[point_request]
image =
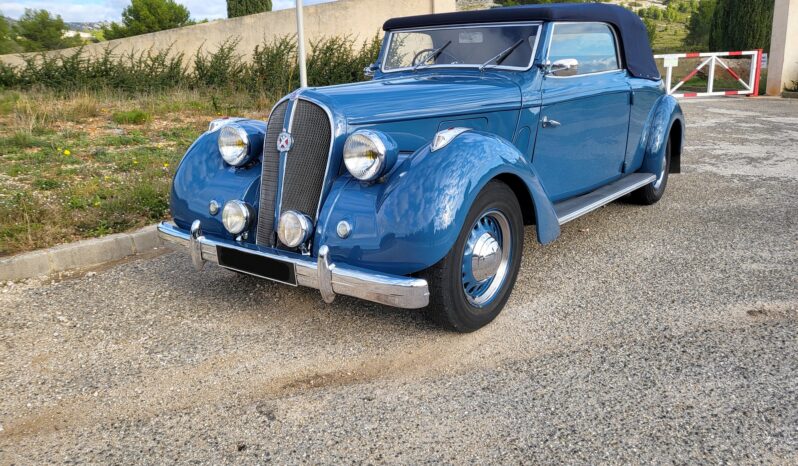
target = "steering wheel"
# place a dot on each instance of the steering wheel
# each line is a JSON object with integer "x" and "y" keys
{"x": 427, "y": 51}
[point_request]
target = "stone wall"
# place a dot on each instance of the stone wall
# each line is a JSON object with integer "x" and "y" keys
{"x": 357, "y": 18}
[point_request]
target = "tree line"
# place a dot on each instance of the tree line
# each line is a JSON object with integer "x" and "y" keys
{"x": 39, "y": 30}
{"x": 711, "y": 24}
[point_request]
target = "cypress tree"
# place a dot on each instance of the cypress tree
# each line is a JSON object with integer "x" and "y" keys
{"x": 237, "y": 8}
{"x": 741, "y": 25}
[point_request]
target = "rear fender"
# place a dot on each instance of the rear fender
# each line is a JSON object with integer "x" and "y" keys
{"x": 665, "y": 115}
{"x": 411, "y": 220}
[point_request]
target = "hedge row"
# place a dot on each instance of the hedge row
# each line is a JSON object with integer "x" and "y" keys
{"x": 271, "y": 69}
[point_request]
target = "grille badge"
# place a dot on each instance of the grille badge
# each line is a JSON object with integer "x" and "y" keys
{"x": 284, "y": 142}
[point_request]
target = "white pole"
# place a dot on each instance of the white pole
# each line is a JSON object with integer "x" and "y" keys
{"x": 300, "y": 37}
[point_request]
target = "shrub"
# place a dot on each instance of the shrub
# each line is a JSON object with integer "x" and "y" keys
{"x": 334, "y": 60}
{"x": 220, "y": 69}
{"x": 272, "y": 69}
{"x": 131, "y": 117}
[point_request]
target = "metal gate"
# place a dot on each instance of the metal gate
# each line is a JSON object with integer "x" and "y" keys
{"x": 708, "y": 62}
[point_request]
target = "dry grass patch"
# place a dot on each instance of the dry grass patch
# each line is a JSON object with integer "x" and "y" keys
{"x": 90, "y": 164}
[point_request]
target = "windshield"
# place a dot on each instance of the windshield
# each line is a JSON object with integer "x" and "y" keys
{"x": 462, "y": 46}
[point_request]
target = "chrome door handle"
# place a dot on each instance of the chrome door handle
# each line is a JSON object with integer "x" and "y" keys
{"x": 550, "y": 123}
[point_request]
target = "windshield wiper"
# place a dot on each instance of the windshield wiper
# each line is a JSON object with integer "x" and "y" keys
{"x": 434, "y": 55}
{"x": 502, "y": 55}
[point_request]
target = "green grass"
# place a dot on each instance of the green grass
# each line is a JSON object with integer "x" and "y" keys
{"x": 670, "y": 38}
{"x": 131, "y": 117}
{"x": 91, "y": 164}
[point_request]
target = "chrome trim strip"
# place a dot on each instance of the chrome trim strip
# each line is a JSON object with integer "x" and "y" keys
{"x": 325, "y": 275}
{"x": 539, "y": 24}
{"x": 391, "y": 290}
{"x": 576, "y": 207}
{"x": 195, "y": 245}
{"x": 289, "y": 118}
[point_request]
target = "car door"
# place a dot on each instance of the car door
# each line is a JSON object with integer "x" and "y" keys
{"x": 584, "y": 117}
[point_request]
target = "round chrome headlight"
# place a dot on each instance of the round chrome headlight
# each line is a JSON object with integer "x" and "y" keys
{"x": 234, "y": 145}
{"x": 236, "y": 216}
{"x": 294, "y": 229}
{"x": 369, "y": 154}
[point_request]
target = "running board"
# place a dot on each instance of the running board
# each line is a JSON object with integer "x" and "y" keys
{"x": 576, "y": 207}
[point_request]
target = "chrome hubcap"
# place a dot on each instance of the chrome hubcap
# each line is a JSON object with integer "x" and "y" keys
{"x": 486, "y": 258}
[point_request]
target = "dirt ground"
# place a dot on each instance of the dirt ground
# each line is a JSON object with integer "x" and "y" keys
{"x": 644, "y": 334}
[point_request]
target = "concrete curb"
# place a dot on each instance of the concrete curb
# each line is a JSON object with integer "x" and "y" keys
{"x": 85, "y": 253}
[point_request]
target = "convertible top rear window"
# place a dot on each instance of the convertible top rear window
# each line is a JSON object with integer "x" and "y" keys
{"x": 505, "y": 46}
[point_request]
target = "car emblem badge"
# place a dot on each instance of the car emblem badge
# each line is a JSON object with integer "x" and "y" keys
{"x": 284, "y": 142}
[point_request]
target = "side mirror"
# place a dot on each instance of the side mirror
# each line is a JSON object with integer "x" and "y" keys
{"x": 370, "y": 70}
{"x": 563, "y": 67}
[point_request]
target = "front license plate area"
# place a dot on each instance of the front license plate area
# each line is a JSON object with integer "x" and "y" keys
{"x": 259, "y": 266}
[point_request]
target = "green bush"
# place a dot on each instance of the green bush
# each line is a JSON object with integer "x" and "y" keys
{"x": 131, "y": 117}
{"x": 220, "y": 69}
{"x": 273, "y": 69}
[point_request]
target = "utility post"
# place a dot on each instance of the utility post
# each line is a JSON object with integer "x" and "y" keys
{"x": 300, "y": 37}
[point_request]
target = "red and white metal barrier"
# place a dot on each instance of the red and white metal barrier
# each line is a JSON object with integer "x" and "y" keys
{"x": 710, "y": 62}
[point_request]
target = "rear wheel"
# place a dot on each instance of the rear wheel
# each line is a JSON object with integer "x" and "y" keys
{"x": 651, "y": 193}
{"x": 470, "y": 286}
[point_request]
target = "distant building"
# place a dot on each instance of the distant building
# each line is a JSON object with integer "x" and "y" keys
{"x": 82, "y": 35}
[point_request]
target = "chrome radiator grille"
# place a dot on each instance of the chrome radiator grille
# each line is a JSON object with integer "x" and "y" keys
{"x": 304, "y": 170}
{"x": 268, "y": 180}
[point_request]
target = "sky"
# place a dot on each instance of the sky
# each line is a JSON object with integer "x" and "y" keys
{"x": 111, "y": 10}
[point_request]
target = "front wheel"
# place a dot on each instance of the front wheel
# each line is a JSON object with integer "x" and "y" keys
{"x": 470, "y": 286}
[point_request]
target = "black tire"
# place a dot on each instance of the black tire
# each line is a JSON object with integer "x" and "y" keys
{"x": 449, "y": 305}
{"x": 652, "y": 193}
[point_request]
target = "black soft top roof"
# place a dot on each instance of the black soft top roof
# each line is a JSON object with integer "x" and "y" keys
{"x": 632, "y": 32}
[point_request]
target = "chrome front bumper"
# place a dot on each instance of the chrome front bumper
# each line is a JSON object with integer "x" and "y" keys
{"x": 329, "y": 278}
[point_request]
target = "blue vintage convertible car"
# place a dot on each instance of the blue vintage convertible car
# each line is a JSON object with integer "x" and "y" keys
{"x": 413, "y": 189}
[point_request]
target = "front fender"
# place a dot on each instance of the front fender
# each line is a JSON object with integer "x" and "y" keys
{"x": 412, "y": 220}
{"x": 203, "y": 176}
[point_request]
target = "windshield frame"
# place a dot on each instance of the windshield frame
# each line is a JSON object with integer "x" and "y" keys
{"x": 534, "y": 53}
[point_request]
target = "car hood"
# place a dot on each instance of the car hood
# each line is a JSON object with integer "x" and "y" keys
{"x": 418, "y": 96}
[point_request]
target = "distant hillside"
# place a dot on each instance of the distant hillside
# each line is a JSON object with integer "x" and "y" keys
{"x": 87, "y": 26}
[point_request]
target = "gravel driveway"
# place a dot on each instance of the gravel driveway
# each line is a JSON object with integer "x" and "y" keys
{"x": 644, "y": 334}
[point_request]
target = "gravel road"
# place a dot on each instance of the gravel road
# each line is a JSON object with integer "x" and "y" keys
{"x": 644, "y": 334}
